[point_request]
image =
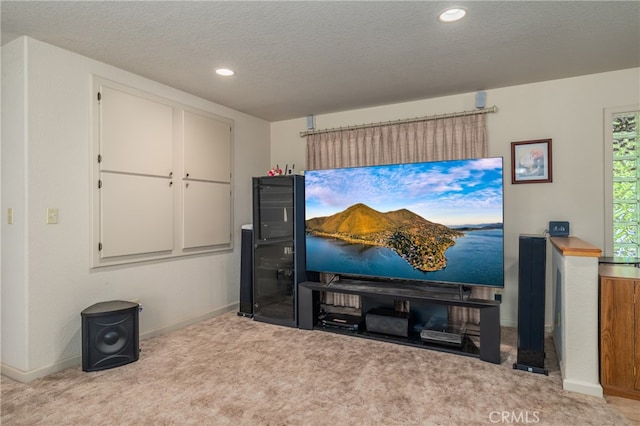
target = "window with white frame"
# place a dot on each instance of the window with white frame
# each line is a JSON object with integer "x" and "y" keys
{"x": 622, "y": 173}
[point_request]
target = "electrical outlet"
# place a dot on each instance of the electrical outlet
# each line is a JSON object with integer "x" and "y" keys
{"x": 559, "y": 229}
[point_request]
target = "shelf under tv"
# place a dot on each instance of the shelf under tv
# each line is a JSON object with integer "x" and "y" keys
{"x": 450, "y": 295}
{"x": 489, "y": 332}
{"x": 468, "y": 347}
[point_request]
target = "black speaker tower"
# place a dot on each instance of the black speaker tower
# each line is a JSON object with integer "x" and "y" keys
{"x": 246, "y": 272}
{"x": 531, "y": 289}
{"x": 110, "y": 336}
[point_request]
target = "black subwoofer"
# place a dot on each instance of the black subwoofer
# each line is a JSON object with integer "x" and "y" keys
{"x": 110, "y": 336}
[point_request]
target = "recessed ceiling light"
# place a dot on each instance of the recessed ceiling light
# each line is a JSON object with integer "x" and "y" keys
{"x": 452, "y": 14}
{"x": 225, "y": 72}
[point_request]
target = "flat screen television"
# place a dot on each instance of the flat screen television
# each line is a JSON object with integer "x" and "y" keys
{"x": 435, "y": 222}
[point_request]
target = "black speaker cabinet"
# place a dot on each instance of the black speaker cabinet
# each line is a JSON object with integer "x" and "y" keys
{"x": 386, "y": 321}
{"x": 110, "y": 336}
{"x": 531, "y": 289}
{"x": 246, "y": 273}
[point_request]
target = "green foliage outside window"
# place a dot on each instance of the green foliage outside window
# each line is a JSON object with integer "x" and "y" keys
{"x": 626, "y": 180}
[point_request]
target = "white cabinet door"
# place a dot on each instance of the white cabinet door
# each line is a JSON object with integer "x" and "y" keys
{"x": 207, "y": 213}
{"x": 207, "y": 148}
{"x": 141, "y": 143}
{"x": 136, "y": 214}
{"x": 136, "y": 134}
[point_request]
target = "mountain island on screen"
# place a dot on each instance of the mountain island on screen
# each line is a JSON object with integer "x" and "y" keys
{"x": 436, "y": 221}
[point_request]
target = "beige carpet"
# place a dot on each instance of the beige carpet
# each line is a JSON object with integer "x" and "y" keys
{"x": 231, "y": 370}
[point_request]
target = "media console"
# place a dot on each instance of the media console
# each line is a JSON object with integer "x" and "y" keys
{"x": 421, "y": 300}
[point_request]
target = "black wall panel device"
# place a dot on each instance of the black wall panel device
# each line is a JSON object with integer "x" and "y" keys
{"x": 246, "y": 272}
{"x": 559, "y": 229}
{"x": 531, "y": 293}
{"x": 110, "y": 336}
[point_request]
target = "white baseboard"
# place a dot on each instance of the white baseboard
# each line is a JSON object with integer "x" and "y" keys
{"x": 27, "y": 376}
{"x": 592, "y": 389}
{"x": 514, "y": 324}
{"x": 190, "y": 321}
{"x": 508, "y": 323}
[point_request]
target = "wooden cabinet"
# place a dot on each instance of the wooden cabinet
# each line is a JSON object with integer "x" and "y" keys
{"x": 620, "y": 330}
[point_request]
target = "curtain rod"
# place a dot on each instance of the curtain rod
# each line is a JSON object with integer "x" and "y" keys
{"x": 402, "y": 121}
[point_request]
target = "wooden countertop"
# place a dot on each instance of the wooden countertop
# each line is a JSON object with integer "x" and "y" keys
{"x": 619, "y": 271}
{"x": 573, "y": 246}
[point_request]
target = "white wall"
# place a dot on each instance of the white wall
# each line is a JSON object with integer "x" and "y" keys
{"x": 569, "y": 111}
{"x": 14, "y": 259}
{"x": 46, "y": 280}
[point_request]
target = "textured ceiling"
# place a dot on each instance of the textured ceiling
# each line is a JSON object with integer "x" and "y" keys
{"x": 299, "y": 58}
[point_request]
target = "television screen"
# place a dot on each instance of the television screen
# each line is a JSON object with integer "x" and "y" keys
{"x": 439, "y": 222}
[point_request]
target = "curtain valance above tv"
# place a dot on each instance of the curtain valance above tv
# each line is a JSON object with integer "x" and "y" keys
{"x": 402, "y": 121}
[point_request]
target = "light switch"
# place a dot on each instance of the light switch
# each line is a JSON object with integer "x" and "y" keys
{"x": 52, "y": 216}
{"x": 10, "y": 215}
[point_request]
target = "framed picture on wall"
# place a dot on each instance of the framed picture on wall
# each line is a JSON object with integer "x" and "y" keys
{"x": 531, "y": 161}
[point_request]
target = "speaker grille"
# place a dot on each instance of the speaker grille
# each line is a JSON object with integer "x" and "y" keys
{"x": 111, "y": 340}
{"x": 109, "y": 335}
{"x": 531, "y": 296}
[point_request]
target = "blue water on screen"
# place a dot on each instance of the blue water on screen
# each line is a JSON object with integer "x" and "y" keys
{"x": 476, "y": 258}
